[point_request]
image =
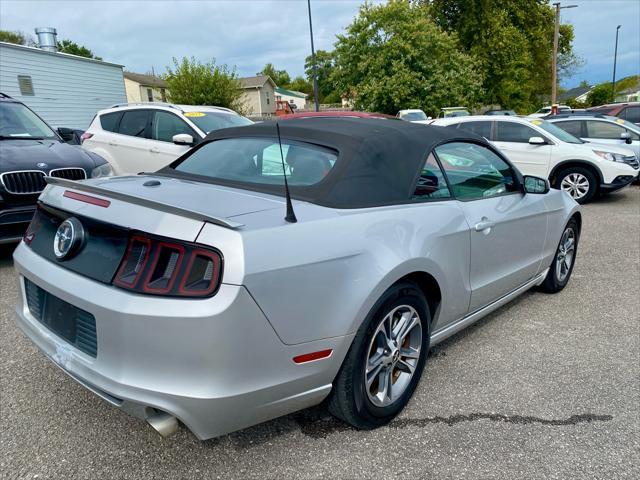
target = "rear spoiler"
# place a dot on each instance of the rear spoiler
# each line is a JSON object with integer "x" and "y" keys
{"x": 143, "y": 202}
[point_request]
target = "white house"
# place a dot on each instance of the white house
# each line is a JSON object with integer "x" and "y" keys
{"x": 144, "y": 88}
{"x": 65, "y": 90}
{"x": 299, "y": 99}
{"x": 258, "y": 96}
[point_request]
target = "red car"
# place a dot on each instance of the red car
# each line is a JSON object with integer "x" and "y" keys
{"x": 630, "y": 111}
{"x": 337, "y": 114}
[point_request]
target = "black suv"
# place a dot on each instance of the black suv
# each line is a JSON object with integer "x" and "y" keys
{"x": 29, "y": 151}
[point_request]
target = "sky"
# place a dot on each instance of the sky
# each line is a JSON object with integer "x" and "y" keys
{"x": 249, "y": 33}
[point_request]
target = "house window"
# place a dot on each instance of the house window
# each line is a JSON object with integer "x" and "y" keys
{"x": 267, "y": 95}
{"x": 26, "y": 85}
{"x": 150, "y": 94}
{"x": 163, "y": 94}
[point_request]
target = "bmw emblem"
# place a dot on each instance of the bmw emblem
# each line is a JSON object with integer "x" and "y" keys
{"x": 68, "y": 239}
{"x": 41, "y": 165}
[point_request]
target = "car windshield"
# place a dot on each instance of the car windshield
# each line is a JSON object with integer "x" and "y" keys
{"x": 456, "y": 113}
{"x": 18, "y": 122}
{"x": 631, "y": 126}
{"x": 210, "y": 121}
{"x": 413, "y": 116}
{"x": 258, "y": 161}
{"x": 557, "y": 132}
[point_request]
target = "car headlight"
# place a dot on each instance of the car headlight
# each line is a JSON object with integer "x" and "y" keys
{"x": 612, "y": 157}
{"x": 103, "y": 170}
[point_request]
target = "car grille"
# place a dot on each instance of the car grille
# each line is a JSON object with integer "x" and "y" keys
{"x": 631, "y": 160}
{"x": 71, "y": 323}
{"x": 69, "y": 173}
{"x": 24, "y": 182}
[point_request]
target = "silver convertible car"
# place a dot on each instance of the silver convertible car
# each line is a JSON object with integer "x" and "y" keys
{"x": 215, "y": 293}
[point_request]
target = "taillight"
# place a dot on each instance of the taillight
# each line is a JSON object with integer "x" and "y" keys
{"x": 85, "y": 136}
{"x": 161, "y": 267}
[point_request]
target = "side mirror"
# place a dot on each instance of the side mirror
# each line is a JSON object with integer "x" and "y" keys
{"x": 536, "y": 185}
{"x": 182, "y": 139}
{"x": 70, "y": 135}
{"x": 626, "y": 136}
{"x": 537, "y": 141}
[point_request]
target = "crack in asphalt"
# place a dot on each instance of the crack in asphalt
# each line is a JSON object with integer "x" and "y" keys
{"x": 323, "y": 427}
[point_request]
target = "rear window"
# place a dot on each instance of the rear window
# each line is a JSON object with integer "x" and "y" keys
{"x": 258, "y": 161}
{"x": 109, "y": 121}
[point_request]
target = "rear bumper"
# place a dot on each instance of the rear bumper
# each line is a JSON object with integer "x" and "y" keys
{"x": 215, "y": 364}
{"x": 14, "y": 222}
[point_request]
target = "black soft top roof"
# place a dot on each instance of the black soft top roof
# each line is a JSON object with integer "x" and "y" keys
{"x": 379, "y": 160}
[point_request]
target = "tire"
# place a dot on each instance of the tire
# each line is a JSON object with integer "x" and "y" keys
{"x": 579, "y": 182}
{"x": 354, "y": 402}
{"x": 559, "y": 272}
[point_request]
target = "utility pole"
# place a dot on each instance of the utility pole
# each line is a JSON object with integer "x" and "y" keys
{"x": 615, "y": 57}
{"x": 554, "y": 59}
{"x": 313, "y": 59}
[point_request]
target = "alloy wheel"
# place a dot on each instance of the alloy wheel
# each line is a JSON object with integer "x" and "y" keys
{"x": 565, "y": 255}
{"x": 393, "y": 355}
{"x": 576, "y": 185}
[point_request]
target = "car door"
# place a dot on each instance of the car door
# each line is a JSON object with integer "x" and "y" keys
{"x": 512, "y": 139}
{"x": 605, "y": 132}
{"x": 507, "y": 227}
{"x": 132, "y": 147}
{"x": 164, "y": 125}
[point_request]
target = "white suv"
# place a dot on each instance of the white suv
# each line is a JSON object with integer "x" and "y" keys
{"x": 145, "y": 137}
{"x": 542, "y": 149}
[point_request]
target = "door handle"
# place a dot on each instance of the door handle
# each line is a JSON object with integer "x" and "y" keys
{"x": 154, "y": 150}
{"x": 484, "y": 225}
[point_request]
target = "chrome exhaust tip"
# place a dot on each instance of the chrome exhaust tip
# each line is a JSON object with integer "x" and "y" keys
{"x": 162, "y": 422}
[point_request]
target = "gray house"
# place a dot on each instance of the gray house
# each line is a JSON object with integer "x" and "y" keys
{"x": 65, "y": 90}
{"x": 258, "y": 96}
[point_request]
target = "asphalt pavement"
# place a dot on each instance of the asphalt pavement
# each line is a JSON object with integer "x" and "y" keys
{"x": 546, "y": 387}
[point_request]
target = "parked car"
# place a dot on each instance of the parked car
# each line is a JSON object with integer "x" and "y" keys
{"x": 501, "y": 112}
{"x": 29, "y": 151}
{"x": 336, "y": 114}
{"x": 629, "y": 111}
{"x": 540, "y": 148}
{"x": 447, "y": 112}
{"x": 603, "y": 129}
{"x": 414, "y": 115}
{"x": 144, "y": 137}
{"x": 227, "y": 313}
{"x": 544, "y": 111}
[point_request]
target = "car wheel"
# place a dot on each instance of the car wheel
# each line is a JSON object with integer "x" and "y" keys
{"x": 578, "y": 182}
{"x": 385, "y": 361}
{"x": 564, "y": 259}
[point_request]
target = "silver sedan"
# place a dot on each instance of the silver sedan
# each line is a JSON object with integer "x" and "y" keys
{"x": 273, "y": 266}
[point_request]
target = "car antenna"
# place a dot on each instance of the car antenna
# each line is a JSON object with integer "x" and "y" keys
{"x": 290, "y": 216}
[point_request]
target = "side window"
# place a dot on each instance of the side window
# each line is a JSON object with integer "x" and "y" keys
{"x": 632, "y": 114}
{"x": 605, "y": 130}
{"x": 574, "y": 127}
{"x": 134, "y": 123}
{"x": 431, "y": 183}
{"x": 165, "y": 125}
{"x": 479, "y": 128}
{"x": 109, "y": 121}
{"x": 514, "y": 132}
{"x": 474, "y": 171}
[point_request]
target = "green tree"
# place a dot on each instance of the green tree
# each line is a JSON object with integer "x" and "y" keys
{"x": 325, "y": 67}
{"x": 18, "y": 38}
{"x": 280, "y": 77}
{"x": 394, "y": 56}
{"x": 600, "y": 94}
{"x": 513, "y": 41}
{"x": 68, "y": 46}
{"x": 300, "y": 84}
{"x": 193, "y": 83}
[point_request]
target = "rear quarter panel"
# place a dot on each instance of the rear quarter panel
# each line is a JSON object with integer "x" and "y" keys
{"x": 320, "y": 277}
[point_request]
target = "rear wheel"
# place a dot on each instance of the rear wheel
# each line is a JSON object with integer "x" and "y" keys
{"x": 562, "y": 265}
{"x": 578, "y": 182}
{"x": 385, "y": 361}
